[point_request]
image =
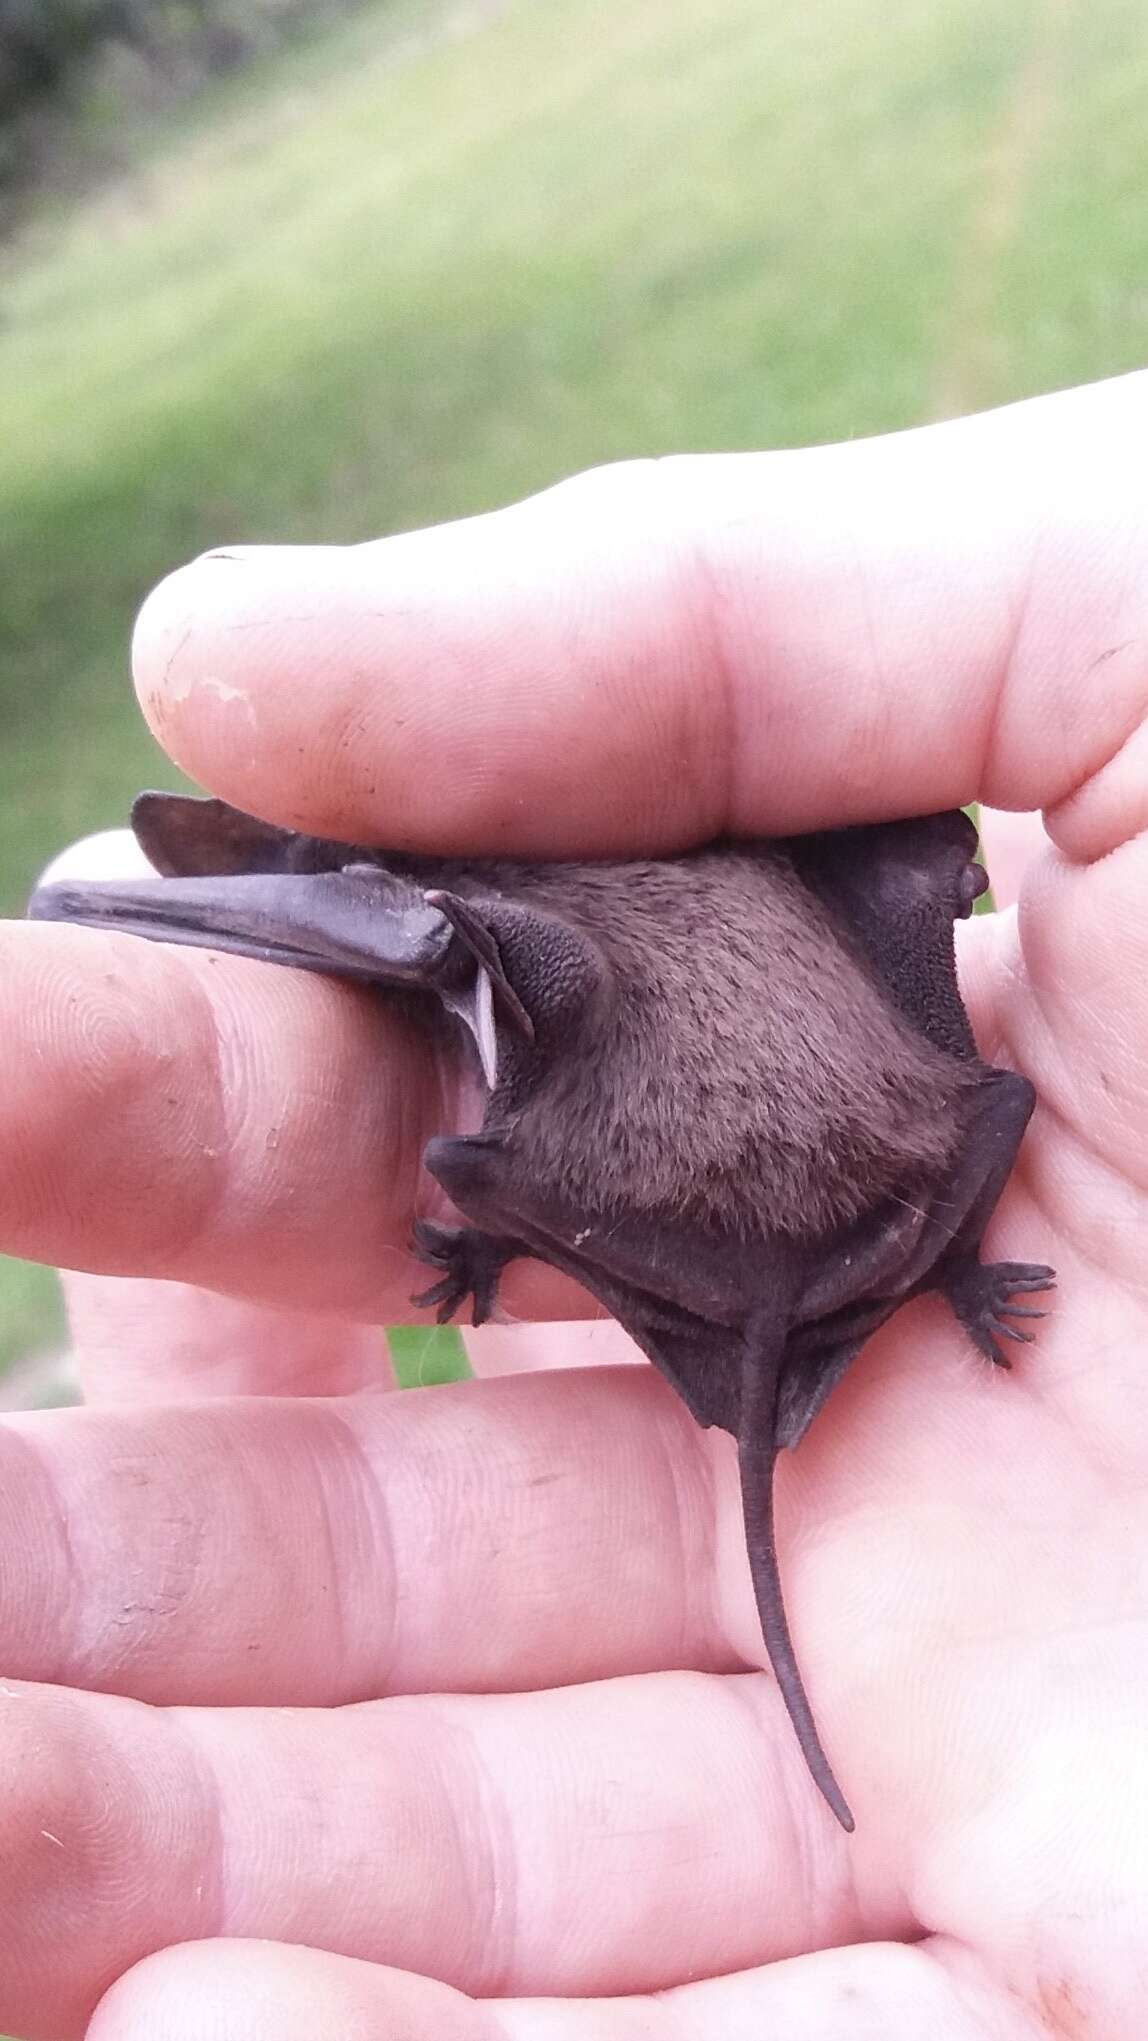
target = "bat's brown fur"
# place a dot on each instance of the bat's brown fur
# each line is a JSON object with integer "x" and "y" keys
{"x": 735, "y": 1060}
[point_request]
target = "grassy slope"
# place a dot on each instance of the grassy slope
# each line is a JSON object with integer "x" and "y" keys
{"x": 409, "y": 274}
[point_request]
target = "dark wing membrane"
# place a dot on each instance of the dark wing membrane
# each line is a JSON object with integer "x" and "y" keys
{"x": 361, "y": 923}
{"x": 186, "y": 837}
{"x": 896, "y": 889}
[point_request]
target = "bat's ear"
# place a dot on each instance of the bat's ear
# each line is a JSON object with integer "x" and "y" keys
{"x": 543, "y": 973}
{"x": 476, "y": 936}
{"x": 187, "y": 838}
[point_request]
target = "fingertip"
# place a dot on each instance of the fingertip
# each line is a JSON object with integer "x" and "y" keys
{"x": 165, "y": 614}
{"x": 109, "y": 854}
{"x": 1012, "y": 842}
{"x": 416, "y": 690}
{"x": 162, "y": 630}
{"x": 243, "y": 1990}
{"x": 204, "y": 632}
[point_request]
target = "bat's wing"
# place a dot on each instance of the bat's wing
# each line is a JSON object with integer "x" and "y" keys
{"x": 185, "y": 836}
{"x": 358, "y": 923}
{"x": 897, "y": 888}
{"x": 816, "y": 1357}
{"x": 902, "y": 1248}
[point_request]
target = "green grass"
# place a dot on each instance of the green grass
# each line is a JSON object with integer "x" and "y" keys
{"x": 424, "y": 1355}
{"x": 31, "y": 1314}
{"x": 404, "y": 274}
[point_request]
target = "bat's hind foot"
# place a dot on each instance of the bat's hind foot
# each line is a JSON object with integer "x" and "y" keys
{"x": 471, "y": 1263}
{"x": 983, "y": 1296}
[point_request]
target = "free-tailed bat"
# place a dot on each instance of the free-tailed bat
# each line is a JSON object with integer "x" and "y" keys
{"x": 733, "y": 1092}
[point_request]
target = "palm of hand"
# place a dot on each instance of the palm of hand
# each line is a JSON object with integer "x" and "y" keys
{"x": 996, "y": 1528}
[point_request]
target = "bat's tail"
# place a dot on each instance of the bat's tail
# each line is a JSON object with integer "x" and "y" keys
{"x": 757, "y": 1456}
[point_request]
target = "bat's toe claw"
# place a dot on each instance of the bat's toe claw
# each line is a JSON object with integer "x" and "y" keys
{"x": 433, "y": 1243}
{"x": 471, "y": 1263}
{"x": 984, "y": 1338}
{"x": 982, "y": 1296}
{"x": 1022, "y": 1276}
{"x": 437, "y": 1294}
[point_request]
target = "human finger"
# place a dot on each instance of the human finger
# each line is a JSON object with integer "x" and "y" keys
{"x": 244, "y": 1991}
{"x": 167, "y": 1112}
{"x": 252, "y": 1990}
{"x": 1071, "y": 1009}
{"x": 506, "y": 1349}
{"x": 509, "y": 1534}
{"x": 986, "y": 945}
{"x": 155, "y": 1341}
{"x": 1010, "y": 844}
{"x": 661, "y": 651}
{"x": 146, "y": 1341}
{"x": 549, "y": 1842}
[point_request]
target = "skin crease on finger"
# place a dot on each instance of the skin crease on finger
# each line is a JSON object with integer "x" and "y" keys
{"x": 1059, "y": 734}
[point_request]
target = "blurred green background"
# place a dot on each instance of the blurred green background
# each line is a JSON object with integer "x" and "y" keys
{"x": 435, "y": 256}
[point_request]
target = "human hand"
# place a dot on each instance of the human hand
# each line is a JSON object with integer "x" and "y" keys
{"x": 572, "y": 1792}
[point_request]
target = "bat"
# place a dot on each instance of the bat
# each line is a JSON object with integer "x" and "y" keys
{"x": 733, "y": 1092}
